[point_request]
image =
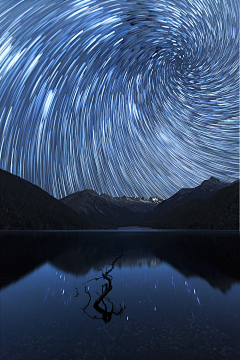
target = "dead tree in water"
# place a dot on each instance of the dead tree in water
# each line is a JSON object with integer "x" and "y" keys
{"x": 106, "y": 288}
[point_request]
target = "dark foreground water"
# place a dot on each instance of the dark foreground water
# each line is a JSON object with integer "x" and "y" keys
{"x": 173, "y": 295}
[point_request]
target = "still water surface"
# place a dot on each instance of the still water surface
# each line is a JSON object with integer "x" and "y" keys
{"x": 169, "y": 298}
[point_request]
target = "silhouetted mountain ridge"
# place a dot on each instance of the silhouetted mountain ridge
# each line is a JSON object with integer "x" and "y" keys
{"x": 107, "y": 211}
{"x": 206, "y": 189}
{"x": 25, "y": 206}
{"x": 211, "y": 205}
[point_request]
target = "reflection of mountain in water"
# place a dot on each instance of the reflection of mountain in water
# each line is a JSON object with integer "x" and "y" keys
{"x": 214, "y": 256}
{"x": 215, "y": 260}
{"x": 81, "y": 260}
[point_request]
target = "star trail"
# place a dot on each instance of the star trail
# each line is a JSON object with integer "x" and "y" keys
{"x": 122, "y": 97}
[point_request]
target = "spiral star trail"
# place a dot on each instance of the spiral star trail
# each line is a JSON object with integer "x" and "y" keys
{"x": 122, "y": 97}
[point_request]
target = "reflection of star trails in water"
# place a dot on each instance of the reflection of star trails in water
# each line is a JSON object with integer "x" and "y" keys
{"x": 192, "y": 292}
{"x": 122, "y": 97}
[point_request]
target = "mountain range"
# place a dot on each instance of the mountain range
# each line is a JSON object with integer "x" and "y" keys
{"x": 24, "y": 206}
{"x": 106, "y": 211}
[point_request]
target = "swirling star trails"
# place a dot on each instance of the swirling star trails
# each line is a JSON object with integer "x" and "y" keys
{"x": 122, "y": 97}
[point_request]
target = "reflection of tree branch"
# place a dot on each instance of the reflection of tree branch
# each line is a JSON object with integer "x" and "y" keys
{"x": 77, "y": 293}
{"x": 106, "y": 288}
{"x": 105, "y": 275}
{"x": 87, "y": 292}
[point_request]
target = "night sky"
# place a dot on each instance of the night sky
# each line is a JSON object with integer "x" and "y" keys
{"x": 122, "y": 97}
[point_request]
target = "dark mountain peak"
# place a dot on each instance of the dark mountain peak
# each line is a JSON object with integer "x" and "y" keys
{"x": 211, "y": 185}
{"x": 212, "y": 180}
{"x": 202, "y": 192}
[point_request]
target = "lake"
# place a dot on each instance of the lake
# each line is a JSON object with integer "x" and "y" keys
{"x": 158, "y": 295}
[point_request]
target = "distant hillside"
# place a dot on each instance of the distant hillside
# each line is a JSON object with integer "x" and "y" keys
{"x": 25, "y": 206}
{"x": 203, "y": 191}
{"x": 220, "y": 211}
{"x": 107, "y": 211}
